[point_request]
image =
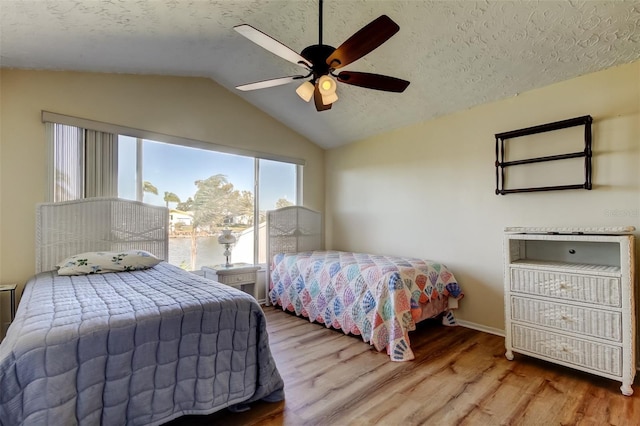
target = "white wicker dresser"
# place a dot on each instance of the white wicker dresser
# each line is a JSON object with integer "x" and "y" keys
{"x": 569, "y": 298}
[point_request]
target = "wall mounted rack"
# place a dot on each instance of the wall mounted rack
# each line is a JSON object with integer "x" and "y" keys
{"x": 501, "y": 164}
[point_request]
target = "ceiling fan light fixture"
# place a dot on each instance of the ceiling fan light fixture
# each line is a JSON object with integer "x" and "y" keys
{"x": 329, "y": 99}
{"x": 327, "y": 86}
{"x": 305, "y": 91}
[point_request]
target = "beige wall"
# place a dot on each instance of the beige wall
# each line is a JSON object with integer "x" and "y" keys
{"x": 195, "y": 108}
{"x": 428, "y": 190}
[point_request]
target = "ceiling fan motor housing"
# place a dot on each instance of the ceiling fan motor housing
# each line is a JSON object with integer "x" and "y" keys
{"x": 317, "y": 55}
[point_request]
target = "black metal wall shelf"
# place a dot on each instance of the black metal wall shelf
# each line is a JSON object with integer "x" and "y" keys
{"x": 501, "y": 164}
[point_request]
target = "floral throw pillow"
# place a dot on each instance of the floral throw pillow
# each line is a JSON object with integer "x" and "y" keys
{"x": 100, "y": 262}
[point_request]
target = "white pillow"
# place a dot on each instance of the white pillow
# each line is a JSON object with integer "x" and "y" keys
{"x": 101, "y": 262}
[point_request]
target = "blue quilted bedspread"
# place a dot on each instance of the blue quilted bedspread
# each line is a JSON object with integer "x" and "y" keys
{"x": 135, "y": 348}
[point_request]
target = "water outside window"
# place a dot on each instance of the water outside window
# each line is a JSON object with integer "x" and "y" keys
{"x": 205, "y": 191}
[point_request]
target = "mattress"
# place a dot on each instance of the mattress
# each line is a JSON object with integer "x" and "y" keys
{"x": 136, "y": 348}
{"x": 377, "y": 297}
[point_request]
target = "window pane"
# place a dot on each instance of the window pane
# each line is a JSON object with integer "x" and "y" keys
{"x": 206, "y": 191}
{"x": 277, "y": 183}
{"x": 127, "y": 167}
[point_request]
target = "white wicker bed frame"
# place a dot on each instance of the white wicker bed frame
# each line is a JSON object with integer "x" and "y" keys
{"x": 98, "y": 224}
{"x": 290, "y": 230}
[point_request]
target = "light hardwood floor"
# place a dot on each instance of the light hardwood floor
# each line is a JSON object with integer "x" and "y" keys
{"x": 459, "y": 377}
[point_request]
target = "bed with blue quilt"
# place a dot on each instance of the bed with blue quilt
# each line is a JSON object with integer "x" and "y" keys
{"x": 134, "y": 344}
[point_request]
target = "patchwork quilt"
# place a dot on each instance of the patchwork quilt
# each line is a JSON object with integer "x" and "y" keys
{"x": 135, "y": 348}
{"x": 377, "y": 297}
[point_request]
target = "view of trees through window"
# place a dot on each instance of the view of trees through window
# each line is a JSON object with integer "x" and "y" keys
{"x": 206, "y": 191}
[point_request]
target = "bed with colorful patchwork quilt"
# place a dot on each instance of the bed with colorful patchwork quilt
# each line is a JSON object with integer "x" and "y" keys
{"x": 377, "y": 297}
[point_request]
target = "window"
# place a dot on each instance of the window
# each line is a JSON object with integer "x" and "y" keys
{"x": 206, "y": 190}
{"x": 277, "y": 189}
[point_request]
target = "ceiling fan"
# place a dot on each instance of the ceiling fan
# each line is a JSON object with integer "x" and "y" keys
{"x": 321, "y": 60}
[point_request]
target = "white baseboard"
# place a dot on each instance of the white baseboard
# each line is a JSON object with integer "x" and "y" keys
{"x": 480, "y": 327}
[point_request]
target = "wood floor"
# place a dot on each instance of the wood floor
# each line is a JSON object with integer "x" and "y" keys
{"x": 459, "y": 377}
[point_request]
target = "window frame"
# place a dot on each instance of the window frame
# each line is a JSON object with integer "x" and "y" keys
{"x": 140, "y": 135}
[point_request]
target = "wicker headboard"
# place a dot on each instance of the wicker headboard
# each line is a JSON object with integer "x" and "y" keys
{"x": 290, "y": 230}
{"x": 98, "y": 224}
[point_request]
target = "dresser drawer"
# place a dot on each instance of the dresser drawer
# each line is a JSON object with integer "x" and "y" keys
{"x": 600, "y": 290}
{"x": 563, "y": 317}
{"x": 583, "y": 353}
{"x": 237, "y": 279}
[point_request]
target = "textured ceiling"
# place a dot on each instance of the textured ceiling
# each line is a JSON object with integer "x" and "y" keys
{"x": 456, "y": 54}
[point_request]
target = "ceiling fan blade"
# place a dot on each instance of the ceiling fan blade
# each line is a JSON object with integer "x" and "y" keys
{"x": 268, "y": 83}
{"x": 272, "y": 45}
{"x": 364, "y": 41}
{"x": 373, "y": 81}
{"x": 317, "y": 99}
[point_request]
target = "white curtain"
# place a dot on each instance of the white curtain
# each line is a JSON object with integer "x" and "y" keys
{"x": 84, "y": 163}
{"x": 66, "y": 172}
{"x": 101, "y": 173}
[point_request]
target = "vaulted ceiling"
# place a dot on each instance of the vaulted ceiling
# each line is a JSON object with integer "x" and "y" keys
{"x": 456, "y": 54}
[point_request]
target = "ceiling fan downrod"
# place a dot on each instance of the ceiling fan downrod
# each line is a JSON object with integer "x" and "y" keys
{"x": 320, "y": 24}
{"x": 317, "y": 54}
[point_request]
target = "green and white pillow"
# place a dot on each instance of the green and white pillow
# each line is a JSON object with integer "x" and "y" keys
{"x": 101, "y": 262}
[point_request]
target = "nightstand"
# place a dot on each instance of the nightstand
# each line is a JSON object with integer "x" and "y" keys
{"x": 239, "y": 275}
{"x": 12, "y": 289}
